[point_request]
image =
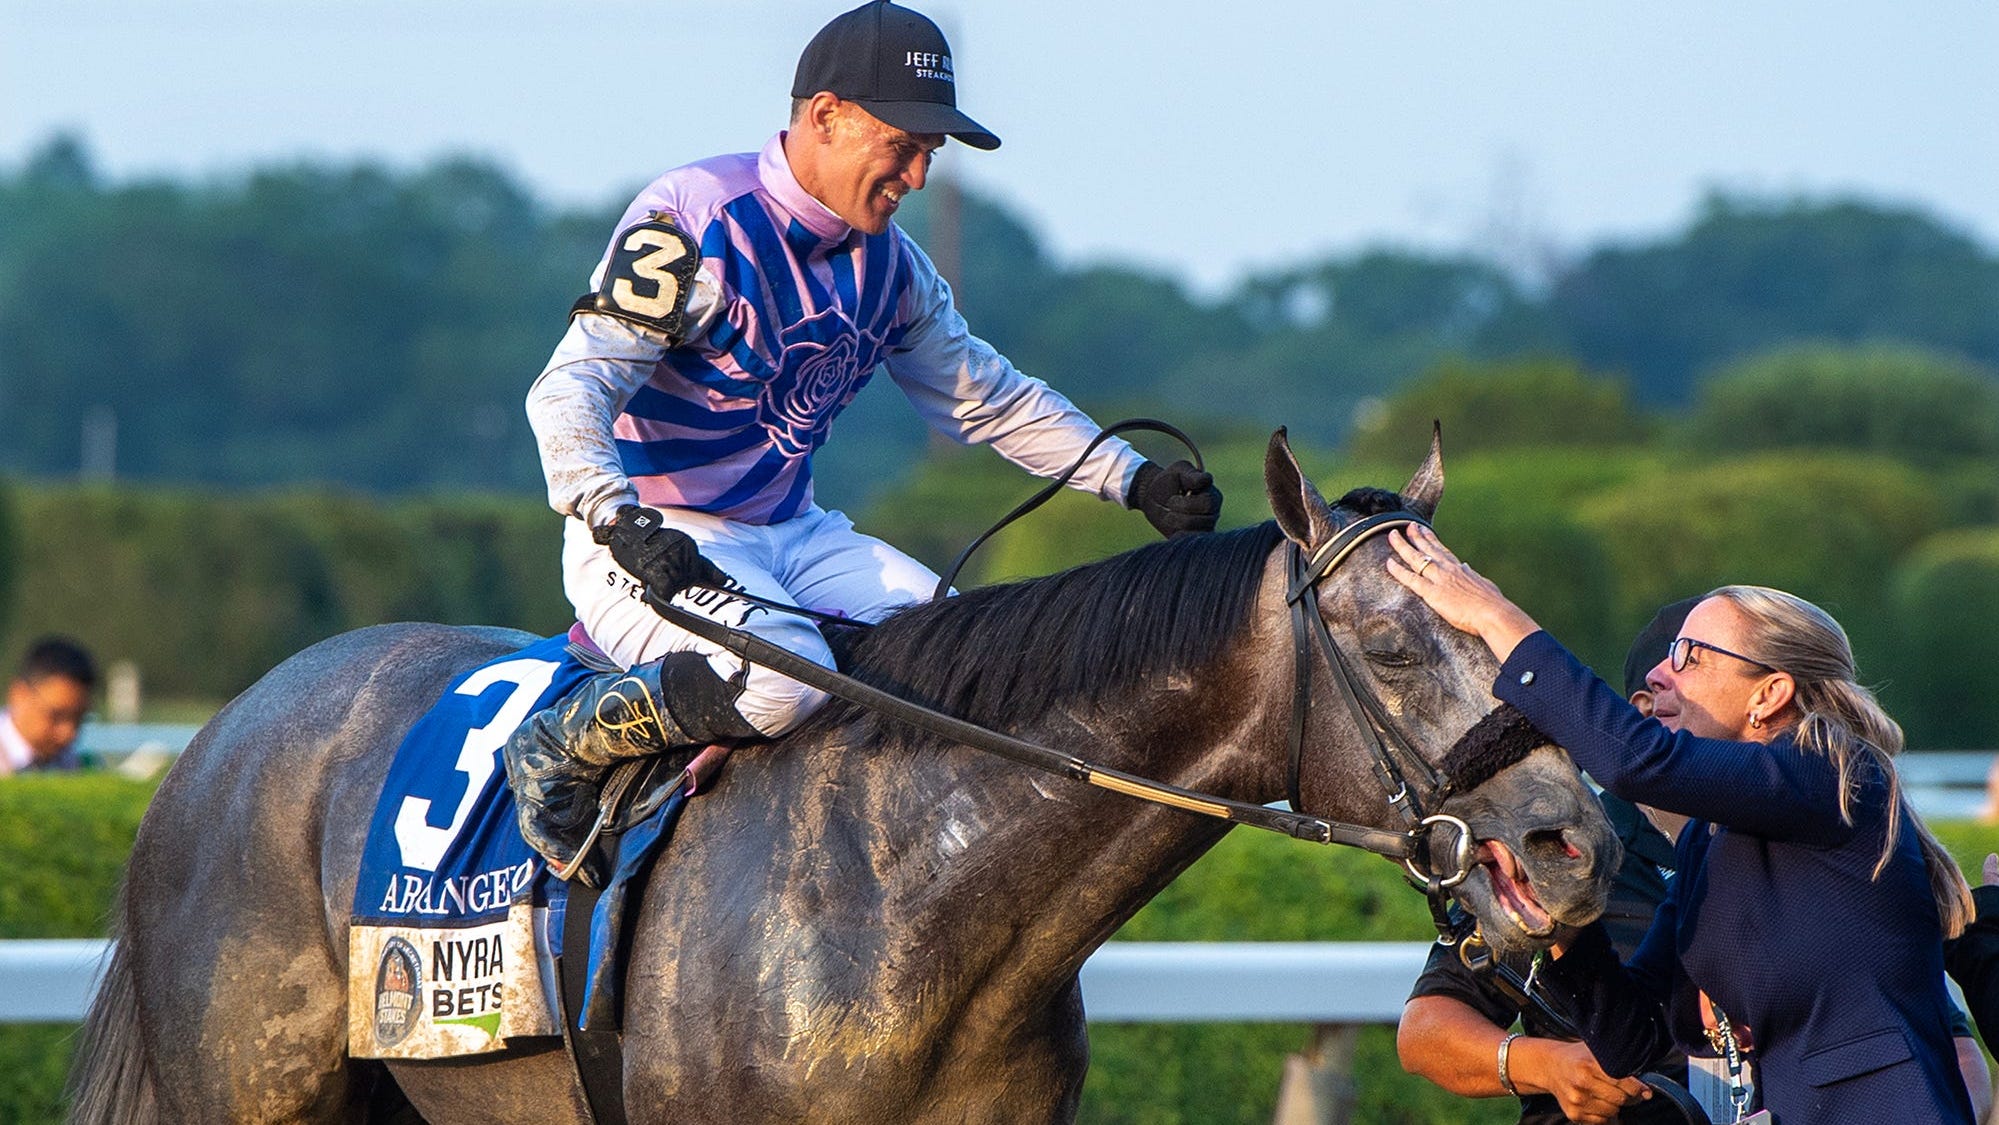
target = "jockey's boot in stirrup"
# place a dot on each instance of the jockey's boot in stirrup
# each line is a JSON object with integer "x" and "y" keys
{"x": 557, "y": 760}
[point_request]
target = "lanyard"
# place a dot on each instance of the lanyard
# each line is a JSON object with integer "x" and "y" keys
{"x": 1723, "y": 1038}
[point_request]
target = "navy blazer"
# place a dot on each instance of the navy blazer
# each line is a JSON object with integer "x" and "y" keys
{"x": 1775, "y": 913}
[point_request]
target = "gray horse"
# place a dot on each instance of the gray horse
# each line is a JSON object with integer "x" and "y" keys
{"x": 859, "y": 923}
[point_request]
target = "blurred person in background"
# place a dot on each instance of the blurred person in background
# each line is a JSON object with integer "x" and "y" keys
{"x": 46, "y": 703}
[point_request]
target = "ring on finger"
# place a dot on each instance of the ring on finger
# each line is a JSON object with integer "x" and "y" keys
{"x": 1428, "y": 562}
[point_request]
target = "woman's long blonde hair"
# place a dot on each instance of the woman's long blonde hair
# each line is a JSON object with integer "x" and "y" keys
{"x": 1841, "y": 719}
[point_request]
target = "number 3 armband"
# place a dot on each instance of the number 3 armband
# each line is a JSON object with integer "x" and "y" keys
{"x": 649, "y": 278}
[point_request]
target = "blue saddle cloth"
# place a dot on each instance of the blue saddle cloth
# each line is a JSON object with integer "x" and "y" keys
{"x": 444, "y": 847}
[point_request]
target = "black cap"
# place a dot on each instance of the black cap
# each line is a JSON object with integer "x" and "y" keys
{"x": 1650, "y": 647}
{"x": 893, "y": 63}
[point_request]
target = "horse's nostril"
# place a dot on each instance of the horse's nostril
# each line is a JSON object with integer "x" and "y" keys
{"x": 1550, "y": 845}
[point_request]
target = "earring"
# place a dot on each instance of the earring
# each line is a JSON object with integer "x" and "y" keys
{"x": 1755, "y": 722}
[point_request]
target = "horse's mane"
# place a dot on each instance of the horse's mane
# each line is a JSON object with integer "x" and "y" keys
{"x": 1002, "y": 655}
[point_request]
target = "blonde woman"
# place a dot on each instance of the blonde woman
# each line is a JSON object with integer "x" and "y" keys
{"x": 1811, "y": 905}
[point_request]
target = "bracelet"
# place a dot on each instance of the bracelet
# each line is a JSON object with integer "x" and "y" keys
{"x": 1506, "y": 1048}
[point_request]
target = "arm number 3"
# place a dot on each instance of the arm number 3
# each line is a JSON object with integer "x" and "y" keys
{"x": 667, "y": 248}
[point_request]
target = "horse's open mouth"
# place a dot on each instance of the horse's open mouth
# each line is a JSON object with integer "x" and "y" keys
{"x": 1511, "y": 890}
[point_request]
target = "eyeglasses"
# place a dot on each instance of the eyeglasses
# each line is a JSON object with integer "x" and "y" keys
{"x": 1681, "y": 653}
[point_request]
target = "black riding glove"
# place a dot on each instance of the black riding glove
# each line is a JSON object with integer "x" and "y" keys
{"x": 1176, "y": 498}
{"x": 664, "y": 559}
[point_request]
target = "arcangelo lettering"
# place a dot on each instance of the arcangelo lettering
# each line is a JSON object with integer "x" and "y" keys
{"x": 484, "y": 893}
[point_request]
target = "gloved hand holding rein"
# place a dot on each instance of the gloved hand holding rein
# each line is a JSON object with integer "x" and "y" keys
{"x": 665, "y": 559}
{"x": 1175, "y": 499}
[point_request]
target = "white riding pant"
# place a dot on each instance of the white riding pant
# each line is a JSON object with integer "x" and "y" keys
{"x": 815, "y": 560}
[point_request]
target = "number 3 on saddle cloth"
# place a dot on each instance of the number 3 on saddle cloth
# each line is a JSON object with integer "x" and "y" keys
{"x": 456, "y": 921}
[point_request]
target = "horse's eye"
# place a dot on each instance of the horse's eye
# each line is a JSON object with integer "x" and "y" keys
{"x": 1390, "y": 657}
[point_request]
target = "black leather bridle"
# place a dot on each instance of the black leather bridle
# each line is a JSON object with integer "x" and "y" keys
{"x": 1391, "y": 756}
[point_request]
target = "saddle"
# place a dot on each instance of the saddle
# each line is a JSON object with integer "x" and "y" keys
{"x": 633, "y": 792}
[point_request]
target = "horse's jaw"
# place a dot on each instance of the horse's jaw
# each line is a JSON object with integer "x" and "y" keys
{"x": 1546, "y": 855}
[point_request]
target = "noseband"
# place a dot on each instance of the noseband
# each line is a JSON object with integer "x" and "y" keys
{"x": 1488, "y": 747}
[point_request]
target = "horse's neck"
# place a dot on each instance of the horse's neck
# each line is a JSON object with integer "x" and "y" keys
{"x": 1024, "y": 873}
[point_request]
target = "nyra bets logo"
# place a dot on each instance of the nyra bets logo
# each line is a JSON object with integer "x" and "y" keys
{"x": 398, "y": 980}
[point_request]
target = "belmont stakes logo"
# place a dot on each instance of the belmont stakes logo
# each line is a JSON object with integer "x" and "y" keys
{"x": 822, "y": 366}
{"x": 398, "y": 981}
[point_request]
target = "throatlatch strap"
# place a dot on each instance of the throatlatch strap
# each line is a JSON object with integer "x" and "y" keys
{"x": 599, "y": 1055}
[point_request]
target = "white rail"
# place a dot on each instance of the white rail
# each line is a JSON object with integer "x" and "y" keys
{"x": 1251, "y": 981}
{"x": 48, "y": 981}
{"x": 1125, "y": 982}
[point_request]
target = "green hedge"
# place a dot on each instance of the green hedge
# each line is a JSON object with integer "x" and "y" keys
{"x": 1945, "y": 596}
{"x": 205, "y": 593}
{"x": 63, "y": 842}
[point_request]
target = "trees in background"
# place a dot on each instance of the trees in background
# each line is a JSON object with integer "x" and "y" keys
{"x": 1749, "y": 275}
{"x": 346, "y": 325}
{"x": 1792, "y": 392}
{"x": 1945, "y": 598}
{"x": 1914, "y": 404}
{"x": 371, "y": 328}
{"x": 206, "y": 592}
{"x": 10, "y": 538}
{"x": 1541, "y": 402}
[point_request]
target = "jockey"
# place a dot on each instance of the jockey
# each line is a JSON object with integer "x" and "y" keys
{"x": 744, "y": 302}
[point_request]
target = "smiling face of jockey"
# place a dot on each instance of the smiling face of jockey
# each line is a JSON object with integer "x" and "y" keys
{"x": 859, "y": 166}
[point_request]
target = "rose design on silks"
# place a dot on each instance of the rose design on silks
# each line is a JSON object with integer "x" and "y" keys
{"x": 820, "y": 369}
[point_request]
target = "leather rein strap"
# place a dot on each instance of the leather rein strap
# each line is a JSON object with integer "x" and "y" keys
{"x": 756, "y": 650}
{"x": 1410, "y": 847}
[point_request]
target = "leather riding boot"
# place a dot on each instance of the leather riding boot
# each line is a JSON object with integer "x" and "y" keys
{"x": 557, "y": 760}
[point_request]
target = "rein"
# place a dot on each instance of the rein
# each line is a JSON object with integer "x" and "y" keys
{"x": 755, "y": 650}
{"x": 1411, "y": 846}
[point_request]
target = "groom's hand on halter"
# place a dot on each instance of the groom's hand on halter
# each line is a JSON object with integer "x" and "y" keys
{"x": 1175, "y": 499}
{"x": 664, "y": 559}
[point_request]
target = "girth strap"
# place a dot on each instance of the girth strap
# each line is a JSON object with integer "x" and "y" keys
{"x": 599, "y": 1055}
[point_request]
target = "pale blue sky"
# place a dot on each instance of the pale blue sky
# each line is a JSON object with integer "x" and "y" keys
{"x": 1205, "y": 138}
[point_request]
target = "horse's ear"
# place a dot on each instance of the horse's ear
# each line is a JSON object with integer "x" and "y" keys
{"x": 1427, "y": 486}
{"x": 1301, "y": 512}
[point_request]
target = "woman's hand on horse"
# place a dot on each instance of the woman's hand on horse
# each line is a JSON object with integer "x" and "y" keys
{"x": 1463, "y": 597}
